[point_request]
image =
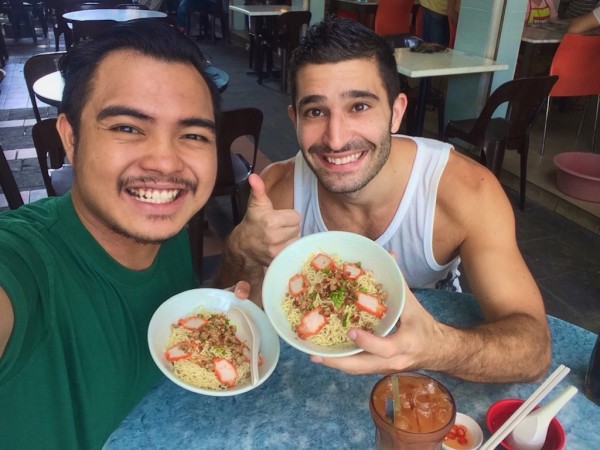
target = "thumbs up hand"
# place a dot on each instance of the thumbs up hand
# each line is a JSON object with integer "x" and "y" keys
{"x": 265, "y": 231}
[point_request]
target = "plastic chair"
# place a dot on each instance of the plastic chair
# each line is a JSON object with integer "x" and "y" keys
{"x": 8, "y": 183}
{"x": 60, "y": 25}
{"x": 492, "y": 135}
{"x": 57, "y": 176}
{"x": 232, "y": 175}
{"x": 393, "y": 16}
{"x": 287, "y": 32}
{"x": 577, "y": 65}
{"x": 35, "y": 68}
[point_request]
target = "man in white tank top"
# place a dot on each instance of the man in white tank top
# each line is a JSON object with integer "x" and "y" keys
{"x": 429, "y": 205}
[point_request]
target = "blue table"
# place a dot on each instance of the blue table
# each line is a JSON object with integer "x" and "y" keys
{"x": 304, "y": 405}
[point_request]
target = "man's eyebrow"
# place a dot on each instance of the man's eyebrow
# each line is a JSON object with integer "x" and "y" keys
{"x": 349, "y": 94}
{"x": 118, "y": 110}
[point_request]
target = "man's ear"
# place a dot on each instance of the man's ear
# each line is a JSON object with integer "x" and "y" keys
{"x": 292, "y": 114}
{"x": 67, "y": 136}
{"x": 398, "y": 110}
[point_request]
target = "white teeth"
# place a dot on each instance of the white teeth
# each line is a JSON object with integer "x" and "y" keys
{"x": 344, "y": 160}
{"x": 155, "y": 196}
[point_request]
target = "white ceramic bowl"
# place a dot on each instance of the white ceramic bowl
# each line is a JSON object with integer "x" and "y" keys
{"x": 211, "y": 300}
{"x": 474, "y": 432}
{"x": 349, "y": 247}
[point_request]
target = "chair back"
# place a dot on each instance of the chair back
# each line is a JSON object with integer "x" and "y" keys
{"x": 290, "y": 26}
{"x": 393, "y": 16}
{"x": 525, "y": 97}
{"x": 90, "y": 29}
{"x": 235, "y": 123}
{"x": 8, "y": 183}
{"x": 577, "y": 63}
{"x": 35, "y": 68}
{"x": 51, "y": 157}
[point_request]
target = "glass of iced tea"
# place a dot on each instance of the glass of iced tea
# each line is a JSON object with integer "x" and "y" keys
{"x": 424, "y": 413}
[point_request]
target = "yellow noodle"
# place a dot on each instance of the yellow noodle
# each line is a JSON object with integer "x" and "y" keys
{"x": 334, "y": 332}
{"x": 190, "y": 372}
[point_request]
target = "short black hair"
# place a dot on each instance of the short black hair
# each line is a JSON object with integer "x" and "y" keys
{"x": 155, "y": 38}
{"x": 336, "y": 39}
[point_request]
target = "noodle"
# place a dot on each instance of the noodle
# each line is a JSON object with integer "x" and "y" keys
{"x": 215, "y": 339}
{"x": 336, "y": 294}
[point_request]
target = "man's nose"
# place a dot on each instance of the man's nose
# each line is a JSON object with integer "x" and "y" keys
{"x": 162, "y": 156}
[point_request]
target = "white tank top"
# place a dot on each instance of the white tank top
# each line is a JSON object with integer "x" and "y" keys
{"x": 409, "y": 234}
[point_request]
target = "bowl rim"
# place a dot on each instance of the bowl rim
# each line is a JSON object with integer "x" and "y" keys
{"x": 219, "y": 300}
{"x": 557, "y": 159}
{"x": 327, "y": 237}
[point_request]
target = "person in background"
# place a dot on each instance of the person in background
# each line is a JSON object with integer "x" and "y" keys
{"x": 186, "y": 6}
{"x": 586, "y": 23}
{"x": 82, "y": 274}
{"x": 577, "y": 8}
{"x": 424, "y": 202}
{"x": 154, "y": 5}
{"x": 437, "y": 15}
{"x": 540, "y": 11}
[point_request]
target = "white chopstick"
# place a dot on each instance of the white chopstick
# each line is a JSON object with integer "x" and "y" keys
{"x": 532, "y": 401}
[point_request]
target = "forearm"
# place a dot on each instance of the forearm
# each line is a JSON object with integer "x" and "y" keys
{"x": 238, "y": 265}
{"x": 514, "y": 348}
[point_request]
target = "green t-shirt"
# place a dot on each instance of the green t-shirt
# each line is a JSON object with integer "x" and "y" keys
{"x": 77, "y": 360}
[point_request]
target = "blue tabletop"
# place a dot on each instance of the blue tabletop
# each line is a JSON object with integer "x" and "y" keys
{"x": 306, "y": 405}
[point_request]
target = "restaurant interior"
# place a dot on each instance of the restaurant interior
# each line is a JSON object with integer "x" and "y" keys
{"x": 559, "y": 235}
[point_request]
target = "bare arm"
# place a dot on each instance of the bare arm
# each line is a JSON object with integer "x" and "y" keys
{"x": 583, "y": 24}
{"x": 514, "y": 342}
{"x": 6, "y": 320}
{"x": 268, "y": 226}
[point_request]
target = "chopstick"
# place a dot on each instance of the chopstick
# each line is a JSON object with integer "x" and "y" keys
{"x": 532, "y": 401}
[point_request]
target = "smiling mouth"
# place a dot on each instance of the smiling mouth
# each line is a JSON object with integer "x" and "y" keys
{"x": 344, "y": 159}
{"x": 157, "y": 196}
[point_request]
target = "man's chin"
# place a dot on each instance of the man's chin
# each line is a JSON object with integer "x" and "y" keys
{"x": 146, "y": 238}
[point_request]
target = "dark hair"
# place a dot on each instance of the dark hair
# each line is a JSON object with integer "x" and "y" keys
{"x": 336, "y": 40}
{"x": 151, "y": 37}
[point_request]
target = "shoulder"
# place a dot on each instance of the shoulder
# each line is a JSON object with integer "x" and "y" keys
{"x": 279, "y": 183}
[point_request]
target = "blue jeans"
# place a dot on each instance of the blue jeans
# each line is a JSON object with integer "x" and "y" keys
{"x": 435, "y": 27}
{"x": 185, "y": 6}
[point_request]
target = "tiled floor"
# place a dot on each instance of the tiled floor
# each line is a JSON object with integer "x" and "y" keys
{"x": 563, "y": 255}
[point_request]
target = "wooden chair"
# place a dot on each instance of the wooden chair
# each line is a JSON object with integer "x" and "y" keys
{"x": 577, "y": 65}
{"x": 232, "y": 175}
{"x": 8, "y": 183}
{"x": 35, "y": 68}
{"x": 289, "y": 28}
{"x": 492, "y": 135}
{"x": 393, "y": 16}
{"x": 57, "y": 176}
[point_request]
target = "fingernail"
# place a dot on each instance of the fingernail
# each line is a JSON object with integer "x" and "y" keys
{"x": 352, "y": 334}
{"x": 316, "y": 359}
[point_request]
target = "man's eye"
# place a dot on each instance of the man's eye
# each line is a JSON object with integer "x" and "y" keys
{"x": 195, "y": 137}
{"x": 314, "y": 112}
{"x": 361, "y": 107}
{"x": 126, "y": 129}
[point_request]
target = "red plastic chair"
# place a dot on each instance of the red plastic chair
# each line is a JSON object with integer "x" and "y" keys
{"x": 393, "y": 16}
{"x": 577, "y": 64}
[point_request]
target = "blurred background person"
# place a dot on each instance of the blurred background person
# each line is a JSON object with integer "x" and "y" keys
{"x": 540, "y": 11}
{"x": 587, "y": 22}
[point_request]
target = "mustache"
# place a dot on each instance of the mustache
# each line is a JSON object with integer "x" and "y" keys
{"x": 356, "y": 144}
{"x": 191, "y": 186}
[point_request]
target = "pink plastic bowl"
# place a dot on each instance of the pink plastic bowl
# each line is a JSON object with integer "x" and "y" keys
{"x": 500, "y": 411}
{"x": 578, "y": 175}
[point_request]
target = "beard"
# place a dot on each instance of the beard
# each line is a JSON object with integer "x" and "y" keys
{"x": 343, "y": 183}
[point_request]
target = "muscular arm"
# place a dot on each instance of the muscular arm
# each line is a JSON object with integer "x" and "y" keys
{"x": 474, "y": 218}
{"x": 268, "y": 226}
{"x": 6, "y": 320}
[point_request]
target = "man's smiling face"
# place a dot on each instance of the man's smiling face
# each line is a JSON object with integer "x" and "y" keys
{"x": 145, "y": 157}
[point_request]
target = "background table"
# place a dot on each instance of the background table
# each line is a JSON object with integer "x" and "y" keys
{"x": 426, "y": 65}
{"x": 118, "y": 15}
{"x": 49, "y": 88}
{"x": 305, "y": 405}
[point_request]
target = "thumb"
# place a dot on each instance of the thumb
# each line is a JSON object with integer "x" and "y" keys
{"x": 258, "y": 194}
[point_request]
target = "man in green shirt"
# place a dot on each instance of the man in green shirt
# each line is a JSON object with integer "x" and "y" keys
{"x": 81, "y": 275}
